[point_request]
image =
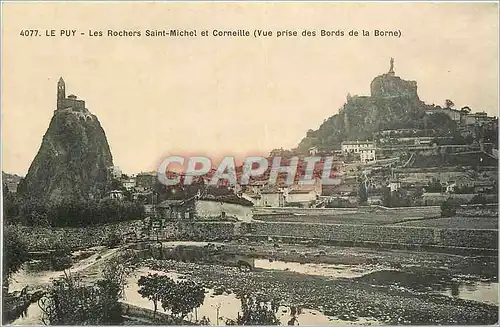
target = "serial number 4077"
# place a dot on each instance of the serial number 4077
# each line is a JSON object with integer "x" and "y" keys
{"x": 29, "y": 33}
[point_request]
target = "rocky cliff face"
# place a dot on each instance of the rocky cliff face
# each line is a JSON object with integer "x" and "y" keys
{"x": 389, "y": 85}
{"x": 73, "y": 159}
{"x": 10, "y": 181}
{"x": 393, "y": 103}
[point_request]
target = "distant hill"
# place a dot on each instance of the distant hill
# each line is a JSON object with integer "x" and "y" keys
{"x": 73, "y": 159}
{"x": 393, "y": 104}
{"x": 11, "y": 180}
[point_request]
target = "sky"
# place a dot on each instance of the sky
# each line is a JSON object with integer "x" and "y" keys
{"x": 157, "y": 96}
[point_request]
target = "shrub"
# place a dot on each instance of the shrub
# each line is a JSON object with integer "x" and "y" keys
{"x": 449, "y": 208}
{"x": 70, "y": 302}
{"x": 256, "y": 311}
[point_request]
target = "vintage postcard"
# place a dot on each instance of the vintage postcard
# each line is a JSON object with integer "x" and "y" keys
{"x": 249, "y": 163}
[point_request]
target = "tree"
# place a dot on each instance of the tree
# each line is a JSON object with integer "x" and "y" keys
{"x": 402, "y": 197}
{"x": 478, "y": 199}
{"x": 465, "y": 110}
{"x": 469, "y": 139}
{"x": 256, "y": 311}
{"x": 70, "y": 302}
{"x": 448, "y": 104}
{"x": 362, "y": 194}
{"x": 118, "y": 268}
{"x": 15, "y": 253}
{"x": 449, "y": 208}
{"x": 185, "y": 297}
{"x": 434, "y": 186}
{"x": 156, "y": 288}
{"x": 440, "y": 122}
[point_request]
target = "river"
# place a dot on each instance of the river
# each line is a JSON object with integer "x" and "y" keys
{"x": 225, "y": 305}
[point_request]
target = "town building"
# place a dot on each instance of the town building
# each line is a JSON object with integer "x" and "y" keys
{"x": 394, "y": 185}
{"x": 367, "y": 155}
{"x": 116, "y": 195}
{"x": 356, "y": 146}
{"x": 302, "y": 196}
{"x": 454, "y": 114}
{"x": 71, "y": 101}
{"x": 476, "y": 119}
{"x": 115, "y": 172}
{"x": 146, "y": 180}
{"x": 313, "y": 151}
{"x": 206, "y": 207}
{"x": 418, "y": 140}
{"x": 255, "y": 187}
{"x": 255, "y": 198}
{"x": 129, "y": 184}
{"x": 272, "y": 197}
{"x": 304, "y": 193}
{"x": 450, "y": 186}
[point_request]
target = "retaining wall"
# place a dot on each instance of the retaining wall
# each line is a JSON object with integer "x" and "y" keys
{"x": 41, "y": 239}
{"x": 429, "y": 210}
{"x": 198, "y": 231}
{"x": 45, "y": 238}
{"x": 384, "y": 234}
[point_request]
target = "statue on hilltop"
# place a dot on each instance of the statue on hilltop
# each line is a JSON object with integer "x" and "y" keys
{"x": 391, "y": 70}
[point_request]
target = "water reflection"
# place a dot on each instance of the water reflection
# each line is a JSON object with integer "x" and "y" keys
{"x": 486, "y": 292}
{"x": 224, "y": 306}
{"x": 317, "y": 269}
{"x": 219, "y": 307}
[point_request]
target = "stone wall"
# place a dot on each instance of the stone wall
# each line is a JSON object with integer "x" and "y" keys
{"x": 307, "y": 211}
{"x": 195, "y": 231}
{"x": 343, "y": 232}
{"x": 436, "y": 199}
{"x": 42, "y": 239}
{"x": 45, "y": 238}
{"x": 215, "y": 209}
{"x": 379, "y": 234}
{"x": 477, "y": 238}
{"x": 478, "y": 211}
{"x": 405, "y": 211}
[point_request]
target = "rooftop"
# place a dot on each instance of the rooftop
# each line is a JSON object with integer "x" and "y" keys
{"x": 356, "y": 142}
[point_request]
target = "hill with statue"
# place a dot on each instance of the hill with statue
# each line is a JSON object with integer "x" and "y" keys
{"x": 393, "y": 104}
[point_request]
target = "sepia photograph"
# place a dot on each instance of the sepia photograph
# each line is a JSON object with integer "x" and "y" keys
{"x": 249, "y": 163}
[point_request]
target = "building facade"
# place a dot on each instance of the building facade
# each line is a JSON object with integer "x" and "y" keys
{"x": 367, "y": 155}
{"x": 146, "y": 181}
{"x": 203, "y": 209}
{"x": 272, "y": 198}
{"x": 356, "y": 146}
{"x": 454, "y": 114}
{"x": 71, "y": 101}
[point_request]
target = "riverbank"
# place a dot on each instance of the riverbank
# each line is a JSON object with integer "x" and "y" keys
{"x": 341, "y": 298}
{"x": 485, "y": 266}
{"x": 326, "y": 284}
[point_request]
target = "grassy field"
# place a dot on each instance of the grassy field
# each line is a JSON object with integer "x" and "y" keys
{"x": 362, "y": 217}
{"x": 416, "y": 217}
{"x": 456, "y": 222}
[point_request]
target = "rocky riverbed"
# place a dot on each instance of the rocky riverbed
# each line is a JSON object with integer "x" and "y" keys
{"x": 390, "y": 286}
{"x": 329, "y": 285}
{"x": 343, "y": 298}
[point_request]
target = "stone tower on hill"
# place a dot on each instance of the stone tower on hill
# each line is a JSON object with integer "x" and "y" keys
{"x": 71, "y": 101}
{"x": 74, "y": 156}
